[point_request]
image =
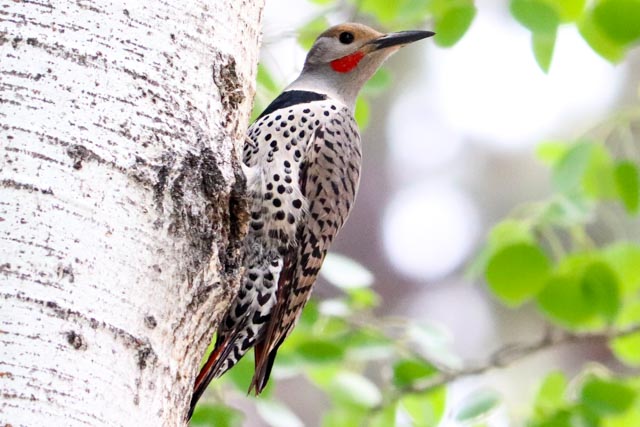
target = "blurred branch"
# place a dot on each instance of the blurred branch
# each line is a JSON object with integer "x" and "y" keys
{"x": 508, "y": 355}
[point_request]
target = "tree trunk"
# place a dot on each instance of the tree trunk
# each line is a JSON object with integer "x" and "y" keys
{"x": 121, "y": 202}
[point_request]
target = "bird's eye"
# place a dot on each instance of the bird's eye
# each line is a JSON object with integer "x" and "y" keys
{"x": 346, "y": 37}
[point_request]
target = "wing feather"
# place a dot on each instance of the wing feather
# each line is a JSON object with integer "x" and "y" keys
{"x": 329, "y": 180}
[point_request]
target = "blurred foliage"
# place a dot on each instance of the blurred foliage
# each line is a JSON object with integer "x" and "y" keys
{"x": 379, "y": 372}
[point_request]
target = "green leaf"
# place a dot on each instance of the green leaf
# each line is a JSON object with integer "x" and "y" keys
{"x": 536, "y": 15}
{"x": 508, "y": 232}
{"x": 368, "y": 344}
{"x": 619, "y": 19}
{"x": 385, "y": 418}
{"x": 477, "y": 406}
{"x": 344, "y": 416}
{"x": 408, "y": 371}
{"x": 627, "y": 348}
{"x": 569, "y": 170}
{"x": 266, "y": 90}
{"x": 543, "y": 46}
{"x": 320, "y": 351}
{"x": 216, "y": 415}
{"x": 581, "y": 292}
{"x": 600, "y": 288}
{"x": 363, "y": 298}
{"x": 626, "y": 419}
{"x": 563, "y": 301}
{"x": 550, "y": 397}
{"x": 598, "y": 180}
{"x": 453, "y": 23}
{"x": 568, "y": 10}
{"x": 264, "y": 78}
{"x": 549, "y": 152}
{"x": 345, "y": 273}
{"x": 606, "y": 396}
{"x": 354, "y": 389}
{"x": 385, "y": 11}
{"x": 425, "y": 409}
{"x": 309, "y": 316}
{"x": 277, "y": 414}
{"x": 412, "y": 13}
{"x": 323, "y": 375}
{"x": 624, "y": 258}
{"x": 517, "y": 272}
{"x": 310, "y": 31}
{"x": 562, "y": 418}
{"x": 599, "y": 41}
{"x": 627, "y": 178}
{"x": 362, "y": 112}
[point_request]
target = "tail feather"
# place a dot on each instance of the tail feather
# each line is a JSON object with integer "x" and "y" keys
{"x": 262, "y": 373}
{"x": 211, "y": 369}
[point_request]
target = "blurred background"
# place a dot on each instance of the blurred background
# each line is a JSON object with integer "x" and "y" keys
{"x": 449, "y": 150}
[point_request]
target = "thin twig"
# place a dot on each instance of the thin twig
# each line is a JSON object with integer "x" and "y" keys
{"x": 508, "y": 355}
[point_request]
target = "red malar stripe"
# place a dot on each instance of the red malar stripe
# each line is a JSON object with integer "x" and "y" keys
{"x": 347, "y": 63}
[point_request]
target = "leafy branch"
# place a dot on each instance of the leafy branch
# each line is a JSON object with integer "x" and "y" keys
{"x": 510, "y": 354}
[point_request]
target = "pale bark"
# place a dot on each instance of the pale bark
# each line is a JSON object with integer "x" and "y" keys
{"x": 121, "y": 202}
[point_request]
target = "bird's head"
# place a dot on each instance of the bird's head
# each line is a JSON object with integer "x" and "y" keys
{"x": 347, "y": 55}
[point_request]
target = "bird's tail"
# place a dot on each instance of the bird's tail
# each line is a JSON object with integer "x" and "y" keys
{"x": 213, "y": 368}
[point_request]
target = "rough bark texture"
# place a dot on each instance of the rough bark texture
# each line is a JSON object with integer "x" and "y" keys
{"x": 121, "y": 202}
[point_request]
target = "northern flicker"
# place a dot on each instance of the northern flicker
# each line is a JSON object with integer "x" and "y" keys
{"x": 303, "y": 161}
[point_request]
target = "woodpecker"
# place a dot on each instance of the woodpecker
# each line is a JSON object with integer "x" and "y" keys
{"x": 302, "y": 158}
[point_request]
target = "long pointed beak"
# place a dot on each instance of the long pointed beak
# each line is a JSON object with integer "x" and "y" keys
{"x": 399, "y": 38}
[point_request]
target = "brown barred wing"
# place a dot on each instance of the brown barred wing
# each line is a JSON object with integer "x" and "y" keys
{"x": 329, "y": 181}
